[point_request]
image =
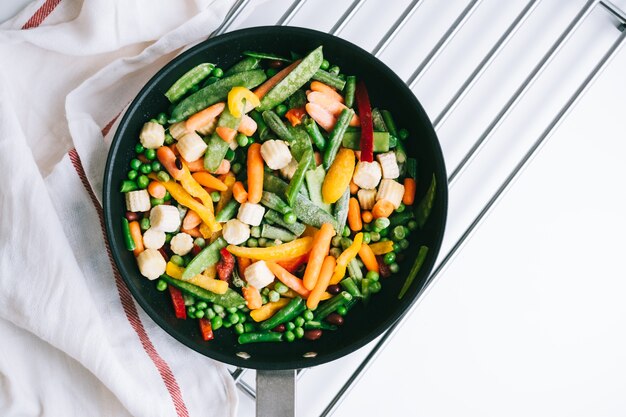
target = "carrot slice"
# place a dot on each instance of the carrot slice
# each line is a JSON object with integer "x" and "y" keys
{"x": 409, "y": 191}
{"x": 288, "y": 278}
{"x": 321, "y": 246}
{"x": 207, "y": 180}
{"x": 204, "y": 117}
{"x": 328, "y": 267}
{"x": 223, "y": 168}
{"x": 247, "y": 126}
{"x": 227, "y": 134}
{"x": 239, "y": 192}
{"x": 264, "y": 88}
{"x": 382, "y": 208}
{"x": 156, "y": 189}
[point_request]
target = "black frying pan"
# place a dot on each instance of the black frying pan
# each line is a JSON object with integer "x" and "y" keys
{"x": 386, "y": 90}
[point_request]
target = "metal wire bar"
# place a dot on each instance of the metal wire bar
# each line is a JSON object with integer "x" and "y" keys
{"x": 521, "y": 91}
{"x": 478, "y": 220}
{"x": 291, "y": 12}
{"x": 614, "y": 10}
{"x": 486, "y": 62}
{"x": 232, "y": 15}
{"x": 346, "y": 17}
{"x": 443, "y": 42}
{"x": 396, "y": 27}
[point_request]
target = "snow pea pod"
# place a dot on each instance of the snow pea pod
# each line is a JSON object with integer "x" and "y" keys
{"x": 246, "y": 64}
{"x": 206, "y": 258}
{"x": 185, "y": 83}
{"x": 298, "y": 177}
{"x": 336, "y": 136}
{"x": 217, "y": 146}
{"x": 276, "y": 124}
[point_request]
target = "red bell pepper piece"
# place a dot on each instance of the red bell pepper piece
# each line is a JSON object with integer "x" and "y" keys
{"x": 295, "y": 115}
{"x": 293, "y": 264}
{"x": 178, "y": 302}
{"x": 206, "y": 329}
{"x": 367, "y": 127}
{"x": 226, "y": 265}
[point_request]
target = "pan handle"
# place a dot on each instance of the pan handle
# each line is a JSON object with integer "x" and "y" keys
{"x": 276, "y": 393}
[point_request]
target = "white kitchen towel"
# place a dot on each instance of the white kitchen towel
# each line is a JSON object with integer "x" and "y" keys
{"x": 72, "y": 340}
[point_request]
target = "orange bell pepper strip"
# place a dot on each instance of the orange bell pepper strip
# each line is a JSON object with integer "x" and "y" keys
{"x": 292, "y": 249}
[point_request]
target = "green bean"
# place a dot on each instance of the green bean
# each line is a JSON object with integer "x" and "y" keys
{"x": 128, "y": 238}
{"x": 341, "y": 209}
{"x": 421, "y": 257}
{"x": 331, "y": 305}
{"x": 349, "y": 94}
{"x": 329, "y": 78}
{"x": 246, "y": 64}
{"x": 274, "y": 202}
{"x": 188, "y": 80}
{"x": 259, "y": 337}
{"x": 314, "y": 132}
{"x": 378, "y": 121}
{"x": 298, "y": 177}
{"x": 287, "y": 313}
{"x": 349, "y": 285}
{"x": 276, "y": 124}
{"x": 411, "y": 168}
{"x": 389, "y": 123}
{"x": 314, "y": 324}
{"x": 336, "y": 136}
{"x": 227, "y": 212}
{"x": 128, "y": 186}
{"x": 262, "y": 130}
{"x": 272, "y": 232}
{"x": 422, "y": 211}
{"x": 296, "y": 228}
{"x": 297, "y": 99}
{"x": 365, "y": 290}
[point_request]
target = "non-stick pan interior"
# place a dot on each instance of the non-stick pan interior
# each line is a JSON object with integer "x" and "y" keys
{"x": 387, "y": 91}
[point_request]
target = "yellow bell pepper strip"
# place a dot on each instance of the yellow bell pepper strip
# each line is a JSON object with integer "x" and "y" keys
{"x": 236, "y": 104}
{"x": 381, "y": 248}
{"x": 192, "y": 186}
{"x": 292, "y": 249}
{"x": 345, "y": 257}
{"x": 268, "y": 310}
{"x": 201, "y": 280}
{"x": 205, "y": 230}
{"x": 179, "y": 194}
{"x": 225, "y": 196}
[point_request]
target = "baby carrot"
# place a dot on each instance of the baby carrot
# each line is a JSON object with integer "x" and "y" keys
{"x": 324, "y": 89}
{"x": 321, "y": 246}
{"x": 191, "y": 220}
{"x": 170, "y": 161}
{"x": 354, "y": 215}
{"x": 382, "y": 208}
{"x": 135, "y": 233}
{"x": 328, "y": 267}
{"x": 223, "y": 168}
{"x": 247, "y": 126}
{"x": 288, "y": 278}
{"x": 369, "y": 259}
{"x": 252, "y": 296}
{"x": 264, "y": 88}
{"x": 239, "y": 192}
{"x": 207, "y": 180}
{"x": 367, "y": 216}
{"x": 255, "y": 173}
{"x": 156, "y": 189}
{"x": 227, "y": 134}
{"x": 409, "y": 191}
{"x": 353, "y": 187}
{"x": 204, "y": 117}
{"x": 195, "y": 166}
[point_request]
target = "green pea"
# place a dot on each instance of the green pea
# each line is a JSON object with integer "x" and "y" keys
{"x": 135, "y": 163}
{"x": 230, "y": 155}
{"x": 401, "y": 208}
{"x": 201, "y": 305}
{"x": 367, "y": 227}
{"x": 372, "y": 276}
{"x": 375, "y": 236}
{"x": 150, "y": 154}
{"x": 384, "y": 232}
{"x": 403, "y": 134}
{"x": 382, "y": 223}
{"x": 144, "y": 224}
{"x": 191, "y": 310}
{"x": 161, "y": 285}
{"x": 215, "y": 196}
{"x": 290, "y": 325}
{"x": 367, "y": 238}
{"x": 412, "y": 224}
{"x": 375, "y": 287}
{"x": 139, "y": 149}
{"x": 307, "y": 315}
{"x": 226, "y": 324}
{"x": 336, "y": 241}
{"x": 169, "y": 139}
{"x": 242, "y": 140}
{"x": 289, "y": 336}
{"x": 218, "y": 308}
{"x": 242, "y": 317}
{"x": 389, "y": 258}
{"x": 143, "y": 181}
{"x": 298, "y": 332}
{"x": 265, "y": 291}
{"x": 167, "y": 196}
{"x": 177, "y": 260}
{"x": 199, "y": 314}
{"x": 168, "y": 238}
{"x": 209, "y": 313}
{"x": 132, "y": 174}
{"x": 263, "y": 299}
{"x": 156, "y": 201}
{"x": 346, "y": 231}
{"x": 162, "y": 118}
{"x": 270, "y": 72}
{"x": 236, "y": 168}
{"x": 281, "y": 109}
{"x": 163, "y": 176}
{"x": 156, "y": 166}
{"x": 216, "y": 322}
{"x": 252, "y": 242}
{"x": 325, "y": 64}
{"x": 239, "y": 328}
{"x": 233, "y": 318}
{"x": 404, "y": 244}
{"x": 200, "y": 242}
{"x": 232, "y": 309}
{"x": 262, "y": 242}
{"x": 394, "y": 267}
{"x": 335, "y": 252}
{"x": 217, "y": 72}
{"x": 398, "y": 233}
{"x": 290, "y": 217}
{"x": 396, "y": 247}
{"x": 345, "y": 242}
{"x": 342, "y": 310}
{"x": 273, "y": 296}
{"x": 299, "y": 322}
{"x": 145, "y": 169}
{"x": 280, "y": 288}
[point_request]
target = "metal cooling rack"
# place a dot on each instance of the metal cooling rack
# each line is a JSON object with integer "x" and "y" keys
{"x": 439, "y": 120}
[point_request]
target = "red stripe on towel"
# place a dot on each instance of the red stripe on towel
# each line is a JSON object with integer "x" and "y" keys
{"x": 40, "y": 15}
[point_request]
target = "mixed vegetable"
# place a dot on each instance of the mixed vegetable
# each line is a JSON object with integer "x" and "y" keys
{"x": 272, "y": 197}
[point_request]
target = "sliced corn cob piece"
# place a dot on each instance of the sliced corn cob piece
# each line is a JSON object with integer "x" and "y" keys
{"x": 276, "y": 154}
{"x": 251, "y": 213}
{"x": 152, "y": 135}
{"x": 151, "y": 263}
{"x": 191, "y": 146}
{"x": 389, "y": 164}
{"x": 235, "y": 232}
{"x": 259, "y": 275}
{"x": 208, "y": 128}
{"x": 181, "y": 244}
{"x": 138, "y": 201}
{"x": 367, "y": 199}
{"x": 390, "y": 190}
{"x": 153, "y": 239}
{"x": 290, "y": 169}
{"x": 177, "y": 130}
{"x": 165, "y": 218}
{"x": 367, "y": 174}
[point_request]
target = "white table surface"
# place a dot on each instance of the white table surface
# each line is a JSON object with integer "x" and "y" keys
{"x": 529, "y": 318}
